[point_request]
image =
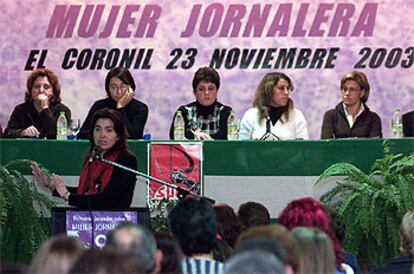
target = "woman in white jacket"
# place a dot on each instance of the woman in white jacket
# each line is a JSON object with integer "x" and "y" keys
{"x": 273, "y": 115}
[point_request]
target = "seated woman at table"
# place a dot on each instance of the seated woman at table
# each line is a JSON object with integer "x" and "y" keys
{"x": 352, "y": 118}
{"x": 206, "y": 118}
{"x": 273, "y": 115}
{"x": 37, "y": 116}
{"x": 120, "y": 88}
{"x": 101, "y": 186}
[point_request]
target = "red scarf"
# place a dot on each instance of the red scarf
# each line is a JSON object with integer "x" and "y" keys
{"x": 94, "y": 172}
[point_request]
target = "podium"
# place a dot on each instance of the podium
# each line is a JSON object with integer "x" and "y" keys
{"x": 92, "y": 226}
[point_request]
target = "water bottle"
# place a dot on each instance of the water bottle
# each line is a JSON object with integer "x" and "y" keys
{"x": 62, "y": 126}
{"x": 179, "y": 126}
{"x": 232, "y": 126}
{"x": 396, "y": 124}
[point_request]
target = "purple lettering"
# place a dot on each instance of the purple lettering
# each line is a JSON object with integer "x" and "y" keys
{"x": 233, "y": 19}
{"x": 148, "y": 22}
{"x": 63, "y": 21}
{"x": 213, "y": 13}
{"x": 84, "y": 31}
{"x": 366, "y": 20}
{"x": 110, "y": 23}
{"x": 298, "y": 30}
{"x": 320, "y": 18}
{"x": 127, "y": 20}
{"x": 195, "y": 12}
{"x": 256, "y": 20}
{"x": 281, "y": 21}
{"x": 342, "y": 20}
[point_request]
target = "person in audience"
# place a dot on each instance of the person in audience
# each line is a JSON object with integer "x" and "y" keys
{"x": 222, "y": 251}
{"x": 278, "y": 233}
{"x": 265, "y": 244}
{"x": 138, "y": 241}
{"x": 37, "y": 116}
{"x": 172, "y": 254}
{"x": 403, "y": 263}
{"x": 206, "y": 118}
{"x": 256, "y": 261}
{"x": 229, "y": 225}
{"x": 253, "y": 214}
{"x": 339, "y": 228}
{"x": 101, "y": 185}
{"x": 273, "y": 115}
{"x": 315, "y": 251}
{"x": 120, "y": 89}
{"x": 308, "y": 212}
{"x": 408, "y": 124}
{"x": 106, "y": 261}
{"x": 56, "y": 255}
{"x": 194, "y": 224}
{"x": 352, "y": 118}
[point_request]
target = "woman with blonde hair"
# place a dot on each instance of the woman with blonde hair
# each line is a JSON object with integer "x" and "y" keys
{"x": 314, "y": 251}
{"x": 273, "y": 115}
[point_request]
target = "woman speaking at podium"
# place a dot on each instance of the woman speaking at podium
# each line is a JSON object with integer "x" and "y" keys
{"x": 101, "y": 185}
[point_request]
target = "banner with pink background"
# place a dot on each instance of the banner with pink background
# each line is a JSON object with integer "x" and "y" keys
{"x": 164, "y": 42}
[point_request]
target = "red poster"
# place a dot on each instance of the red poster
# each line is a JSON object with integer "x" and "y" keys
{"x": 175, "y": 163}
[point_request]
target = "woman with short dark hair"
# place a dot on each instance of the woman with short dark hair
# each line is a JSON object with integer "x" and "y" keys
{"x": 101, "y": 185}
{"x": 352, "y": 117}
{"x": 37, "y": 116}
{"x": 120, "y": 88}
{"x": 206, "y": 118}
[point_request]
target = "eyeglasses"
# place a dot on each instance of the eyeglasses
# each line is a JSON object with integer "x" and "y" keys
{"x": 115, "y": 88}
{"x": 352, "y": 90}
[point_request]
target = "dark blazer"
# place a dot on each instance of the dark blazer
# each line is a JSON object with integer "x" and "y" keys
{"x": 335, "y": 124}
{"x": 408, "y": 124}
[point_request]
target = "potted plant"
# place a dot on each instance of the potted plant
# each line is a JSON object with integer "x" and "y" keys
{"x": 23, "y": 212}
{"x": 372, "y": 205}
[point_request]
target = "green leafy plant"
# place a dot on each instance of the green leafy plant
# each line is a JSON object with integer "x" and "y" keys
{"x": 372, "y": 205}
{"x": 159, "y": 210}
{"x": 23, "y": 223}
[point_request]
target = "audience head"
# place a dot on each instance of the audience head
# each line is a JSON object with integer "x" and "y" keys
{"x": 136, "y": 240}
{"x": 106, "y": 261}
{"x": 206, "y": 83}
{"x": 276, "y": 232}
{"x": 171, "y": 253}
{"x": 274, "y": 90}
{"x": 56, "y": 255}
{"x": 255, "y": 261}
{"x": 222, "y": 251}
{"x": 263, "y": 243}
{"x": 407, "y": 234}
{"x": 117, "y": 81}
{"x": 356, "y": 84}
{"x": 108, "y": 130}
{"x": 43, "y": 81}
{"x": 253, "y": 214}
{"x": 315, "y": 251}
{"x": 308, "y": 212}
{"x": 229, "y": 226}
{"x": 194, "y": 224}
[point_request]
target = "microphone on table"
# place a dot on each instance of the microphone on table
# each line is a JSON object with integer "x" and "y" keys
{"x": 95, "y": 154}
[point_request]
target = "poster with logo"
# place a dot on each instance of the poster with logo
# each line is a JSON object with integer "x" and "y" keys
{"x": 91, "y": 227}
{"x": 178, "y": 164}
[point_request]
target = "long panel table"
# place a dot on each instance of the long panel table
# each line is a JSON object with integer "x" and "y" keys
{"x": 272, "y": 173}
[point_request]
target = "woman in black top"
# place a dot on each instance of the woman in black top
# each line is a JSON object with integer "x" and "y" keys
{"x": 101, "y": 186}
{"x": 120, "y": 88}
{"x": 206, "y": 118}
{"x": 38, "y": 115}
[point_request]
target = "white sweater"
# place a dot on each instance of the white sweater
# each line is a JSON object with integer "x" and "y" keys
{"x": 251, "y": 128}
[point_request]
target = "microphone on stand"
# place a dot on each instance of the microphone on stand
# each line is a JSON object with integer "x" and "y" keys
{"x": 268, "y": 134}
{"x": 95, "y": 154}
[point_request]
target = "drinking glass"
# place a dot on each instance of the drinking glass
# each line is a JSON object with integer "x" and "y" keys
{"x": 75, "y": 126}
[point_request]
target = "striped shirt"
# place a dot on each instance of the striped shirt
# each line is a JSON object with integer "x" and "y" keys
{"x": 202, "y": 266}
